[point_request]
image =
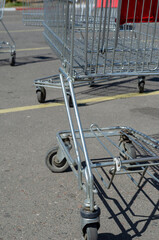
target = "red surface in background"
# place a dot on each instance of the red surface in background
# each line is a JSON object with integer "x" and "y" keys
{"x": 114, "y": 3}
{"x": 149, "y": 11}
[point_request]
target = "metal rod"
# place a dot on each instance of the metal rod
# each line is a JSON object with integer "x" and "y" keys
{"x": 72, "y": 131}
{"x": 90, "y": 176}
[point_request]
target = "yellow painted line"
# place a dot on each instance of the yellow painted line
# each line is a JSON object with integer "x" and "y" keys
{"x": 120, "y": 96}
{"x": 20, "y": 109}
{"x": 22, "y": 31}
{"x": 31, "y": 49}
{"x": 90, "y": 100}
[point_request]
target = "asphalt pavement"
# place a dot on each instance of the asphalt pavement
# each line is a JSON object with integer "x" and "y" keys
{"x": 36, "y": 204}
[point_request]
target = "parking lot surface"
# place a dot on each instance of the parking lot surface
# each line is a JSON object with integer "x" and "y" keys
{"x": 36, "y": 204}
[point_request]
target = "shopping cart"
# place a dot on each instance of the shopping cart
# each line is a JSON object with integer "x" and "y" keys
{"x": 91, "y": 46}
{"x": 33, "y": 12}
{"x": 33, "y": 15}
{"x": 5, "y": 45}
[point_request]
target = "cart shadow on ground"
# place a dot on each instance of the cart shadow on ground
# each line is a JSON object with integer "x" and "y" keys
{"x": 112, "y": 87}
{"x": 118, "y": 88}
{"x": 109, "y": 88}
{"x": 34, "y": 59}
{"x": 125, "y": 212}
{"x": 110, "y": 236}
{"x": 121, "y": 86}
{"x": 28, "y": 60}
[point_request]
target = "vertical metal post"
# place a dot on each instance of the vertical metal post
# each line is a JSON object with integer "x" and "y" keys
{"x": 118, "y": 23}
{"x": 93, "y": 35}
{"x": 72, "y": 41}
{"x": 86, "y": 35}
{"x": 67, "y": 26}
{"x": 153, "y": 38}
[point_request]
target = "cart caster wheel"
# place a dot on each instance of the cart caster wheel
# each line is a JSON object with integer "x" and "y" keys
{"x": 91, "y": 233}
{"x": 41, "y": 94}
{"x": 12, "y": 59}
{"x": 128, "y": 148}
{"x": 141, "y": 84}
{"x": 70, "y": 100}
{"x": 53, "y": 163}
{"x": 90, "y": 223}
{"x": 91, "y": 84}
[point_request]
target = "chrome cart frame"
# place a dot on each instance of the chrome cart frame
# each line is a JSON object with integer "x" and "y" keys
{"x": 33, "y": 15}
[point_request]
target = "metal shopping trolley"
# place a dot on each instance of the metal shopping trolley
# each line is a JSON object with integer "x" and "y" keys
{"x": 92, "y": 47}
{"x": 5, "y": 45}
{"x": 33, "y": 15}
{"x": 33, "y": 12}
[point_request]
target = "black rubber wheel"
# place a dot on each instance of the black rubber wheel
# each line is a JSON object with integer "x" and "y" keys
{"x": 129, "y": 148}
{"x": 141, "y": 83}
{"x": 91, "y": 233}
{"x": 12, "y": 59}
{"x": 141, "y": 86}
{"x": 91, "y": 84}
{"x": 53, "y": 163}
{"x": 41, "y": 94}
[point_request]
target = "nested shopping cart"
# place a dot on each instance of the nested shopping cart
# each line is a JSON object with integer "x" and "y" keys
{"x": 93, "y": 45}
{"x": 33, "y": 15}
{"x": 33, "y": 12}
{"x": 7, "y": 46}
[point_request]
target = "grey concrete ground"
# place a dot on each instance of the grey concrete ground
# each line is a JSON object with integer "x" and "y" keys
{"x": 36, "y": 204}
